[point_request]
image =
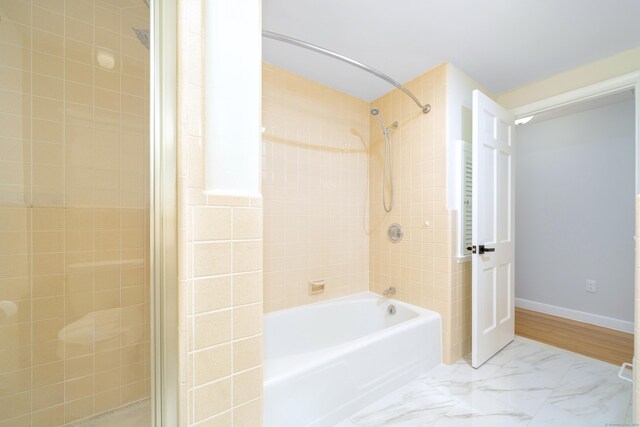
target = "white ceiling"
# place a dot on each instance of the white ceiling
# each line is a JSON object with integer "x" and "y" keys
{"x": 501, "y": 43}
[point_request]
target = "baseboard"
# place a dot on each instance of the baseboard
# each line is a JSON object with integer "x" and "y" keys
{"x": 580, "y": 316}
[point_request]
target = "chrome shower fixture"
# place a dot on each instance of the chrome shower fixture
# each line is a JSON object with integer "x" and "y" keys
{"x": 143, "y": 35}
{"x": 376, "y": 113}
{"x": 388, "y": 160}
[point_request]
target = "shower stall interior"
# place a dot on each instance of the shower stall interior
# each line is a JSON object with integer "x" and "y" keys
{"x": 74, "y": 212}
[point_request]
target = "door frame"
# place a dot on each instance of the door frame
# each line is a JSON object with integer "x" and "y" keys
{"x": 603, "y": 88}
{"x": 163, "y": 213}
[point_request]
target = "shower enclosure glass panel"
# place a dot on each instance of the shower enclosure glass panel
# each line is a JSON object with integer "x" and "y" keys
{"x": 74, "y": 212}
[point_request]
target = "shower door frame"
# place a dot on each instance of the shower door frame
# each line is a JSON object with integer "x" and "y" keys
{"x": 163, "y": 214}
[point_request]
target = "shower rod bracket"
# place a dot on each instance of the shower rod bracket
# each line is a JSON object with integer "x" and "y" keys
{"x": 286, "y": 39}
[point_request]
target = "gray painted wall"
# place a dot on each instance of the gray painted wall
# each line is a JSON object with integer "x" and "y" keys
{"x": 575, "y": 178}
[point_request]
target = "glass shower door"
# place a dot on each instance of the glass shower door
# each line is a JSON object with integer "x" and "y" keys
{"x": 74, "y": 212}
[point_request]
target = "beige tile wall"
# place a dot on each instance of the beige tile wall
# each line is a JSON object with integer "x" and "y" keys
{"x": 220, "y": 266}
{"x": 73, "y": 210}
{"x": 315, "y": 189}
{"x": 321, "y": 179}
{"x": 422, "y": 267}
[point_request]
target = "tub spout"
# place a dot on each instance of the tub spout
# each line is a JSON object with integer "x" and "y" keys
{"x": 390, "y": 291}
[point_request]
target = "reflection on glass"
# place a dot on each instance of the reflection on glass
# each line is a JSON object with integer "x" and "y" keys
{"x": 74, "y": 209}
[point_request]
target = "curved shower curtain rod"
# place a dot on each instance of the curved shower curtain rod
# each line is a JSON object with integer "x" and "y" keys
{"x": 280, "y": 37}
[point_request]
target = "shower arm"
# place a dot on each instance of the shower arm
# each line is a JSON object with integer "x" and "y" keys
{"x": 286, "y": 39}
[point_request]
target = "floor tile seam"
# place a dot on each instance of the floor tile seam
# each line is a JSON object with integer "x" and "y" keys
{"x": 517, "y": 411}
{"x": 551, "y": 390}
{"x": 448, "y": 393}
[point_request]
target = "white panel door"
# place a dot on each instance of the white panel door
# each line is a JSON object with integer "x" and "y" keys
{"x": 493, "y": 289}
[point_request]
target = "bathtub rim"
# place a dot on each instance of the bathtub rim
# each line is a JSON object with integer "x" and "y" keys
{"x": 357, "y": 296}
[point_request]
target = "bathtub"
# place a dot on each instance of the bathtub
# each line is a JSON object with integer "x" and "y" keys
{"x": 325, "y": 361}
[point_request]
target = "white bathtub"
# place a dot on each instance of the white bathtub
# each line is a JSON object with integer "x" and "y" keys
{"x": 325, "y": 361}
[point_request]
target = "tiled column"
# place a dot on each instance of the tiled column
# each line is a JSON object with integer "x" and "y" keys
{"x": 219, "y": 263}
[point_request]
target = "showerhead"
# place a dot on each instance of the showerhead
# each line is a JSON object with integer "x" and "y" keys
{"x": 143, "y": 36}
{"x": 142, "y": 33}
{"x": 375, "y": 112}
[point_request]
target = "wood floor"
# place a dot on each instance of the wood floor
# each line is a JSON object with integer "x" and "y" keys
{"x": 594, "y": 341}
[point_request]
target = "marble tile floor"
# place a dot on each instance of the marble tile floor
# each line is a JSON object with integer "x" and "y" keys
{"x": 526, "y": 384}
{"x": 137, "y": 414}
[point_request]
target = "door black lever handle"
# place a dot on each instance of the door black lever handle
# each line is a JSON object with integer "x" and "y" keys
{"x": 481, "y": 249}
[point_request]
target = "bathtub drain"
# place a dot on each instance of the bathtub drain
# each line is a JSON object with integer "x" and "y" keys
{"x": 391, "y": 310}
